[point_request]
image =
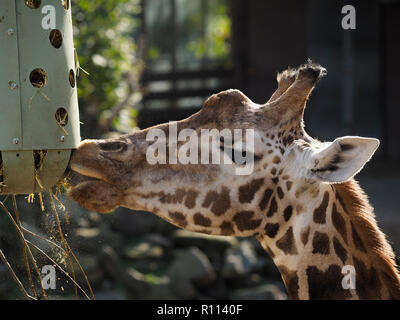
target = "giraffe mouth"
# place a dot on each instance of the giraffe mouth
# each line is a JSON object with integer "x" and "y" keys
{"x": 90, "y": 190}
{"x": 80, "y": 174}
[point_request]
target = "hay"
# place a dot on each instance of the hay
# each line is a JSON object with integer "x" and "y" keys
{"x": 34, "y": 4}
{"x": 65, "y": 4}
{"x": 78, "y": 66}
{"x": 22, "y": 238}
{"x": 71, "y": 78}
{"x": 62, "y": 119}
{"x": 64, "y": 250}
{"x": 55, "y": 38}
{"x": 38, "y": 78}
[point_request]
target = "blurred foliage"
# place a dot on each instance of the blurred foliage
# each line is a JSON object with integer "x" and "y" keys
{"x": 104, "y": 39}
{"x": 107, "y": 38}
{"x": 202, "y": 29}
{"x": 215, "y": 44}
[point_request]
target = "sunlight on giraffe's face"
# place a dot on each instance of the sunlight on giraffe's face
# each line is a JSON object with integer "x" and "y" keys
{"x": 170, "y": 170}
{"x": 243, "y": 145}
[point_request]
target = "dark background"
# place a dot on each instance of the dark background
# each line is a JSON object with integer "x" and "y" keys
{"x": 358, "y": 97}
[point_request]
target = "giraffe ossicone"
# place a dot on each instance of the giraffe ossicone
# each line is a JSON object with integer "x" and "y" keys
{"x": 300, "y": 199}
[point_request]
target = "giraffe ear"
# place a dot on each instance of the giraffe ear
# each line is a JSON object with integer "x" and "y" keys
{"x": 343, "y": 158}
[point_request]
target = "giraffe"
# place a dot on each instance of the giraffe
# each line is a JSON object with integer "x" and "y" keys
{"x": 300, "y": 200}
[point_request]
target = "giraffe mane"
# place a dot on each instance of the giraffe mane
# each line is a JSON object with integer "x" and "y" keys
{"x": 355, "y": 203}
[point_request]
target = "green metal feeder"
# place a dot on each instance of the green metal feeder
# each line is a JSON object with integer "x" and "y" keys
{"x": 39, "y": 115}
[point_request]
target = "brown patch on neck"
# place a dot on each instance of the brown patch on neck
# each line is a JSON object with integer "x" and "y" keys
{"x": 378, "y": 251}
{"x": 272, "y": 208}
{"x": 201, "y": 220}
{"x": 368, "y": 284}
{"x": 339, "y": 250}
{"x": 304, "y": 235}
{"x": 244, "y": 221}
{"x": 291, "y": 281}
{"x": 287, "y": 244}
{"x": 320, "y": 212}
{"x": 339, "y": 223}
{"x": 326, "y": 285}
{"x": 226, "y": 228}
{"x": 191, "y": 196}
{"x": 178, "y": 218}
{"x": 321, "y": 243}
{"x": 247, "y": 191}
{"x": 220, "y": 202}
{"x": 265, "y": 199}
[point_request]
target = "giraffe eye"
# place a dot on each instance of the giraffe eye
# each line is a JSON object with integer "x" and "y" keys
{"x": 239, "y": 157}
{"x": 113, "y": 146}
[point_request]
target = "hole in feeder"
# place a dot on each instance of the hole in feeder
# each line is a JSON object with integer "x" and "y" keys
{"x": 33, "y": 4}
{"x": 71, "y": 78}
{"x": 17, "y": 155}
{"x": 38, "y": 78}
{"x": 38, "y": 156}
{"x": 65, "y": 4}
{"x": 62, "y": 117}
{"x": 56, "y": 38}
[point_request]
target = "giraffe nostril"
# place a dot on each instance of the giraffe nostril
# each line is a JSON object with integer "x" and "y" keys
{"x": 112, "y": 146}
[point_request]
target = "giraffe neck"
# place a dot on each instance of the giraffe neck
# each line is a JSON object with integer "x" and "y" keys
{"x": 327, "y": 238}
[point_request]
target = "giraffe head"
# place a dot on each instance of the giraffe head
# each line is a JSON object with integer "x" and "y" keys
{"x": 170, "y": 170}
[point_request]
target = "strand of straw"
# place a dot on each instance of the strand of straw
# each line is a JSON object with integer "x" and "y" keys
{"x": 69, "y": 248}
{"x": 14, "y": 276}
{"x": 63, "y": 241}
{"x": 28, "y": 269}
{"x": 59, "y": 267}
{"x": 42, "y": 238}
{"x": 27, "y": 247}
{"x": 83, "y": 272}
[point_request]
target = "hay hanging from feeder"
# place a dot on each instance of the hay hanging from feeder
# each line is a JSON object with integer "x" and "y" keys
{"x": 62, "y": 251}
{"x": 56, "y": 38}
{"x": 38, "y": 78}
{"x": 33, "y": 4}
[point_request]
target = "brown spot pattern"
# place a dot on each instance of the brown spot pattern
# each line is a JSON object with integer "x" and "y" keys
{"x": 190, "y": 200}
{"x": 272, "y": 208}
{"x": 304, "y": 235}
{"x": 247, "y": 191}
{"x": 271, "y": 229}
{"x": 289, "y": 185}
{"x": 178, "y": 218}
{"x": 265, "y": 199}
{"x": 280, "y": 193}
{"x": 287, "y": 213}
{"x": 201, "y": 220}
{"x": 340, "y": 250}
{"x": 220, "y": 202}
{"x": 326, "y": 285}
{"x": 276, "y": 160}
{"x": 339, "y": 223}
{"x": 244, "y": 221}
{"x": 320, "y": 212}
{"x": 291, "y": 281}
{"x": 368, "y": 284}
{"x": 226, "y": 228}
{"x": 320, "y": 243}
{"x": 176, "y": 197}
{"x": 286, "y": 243}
